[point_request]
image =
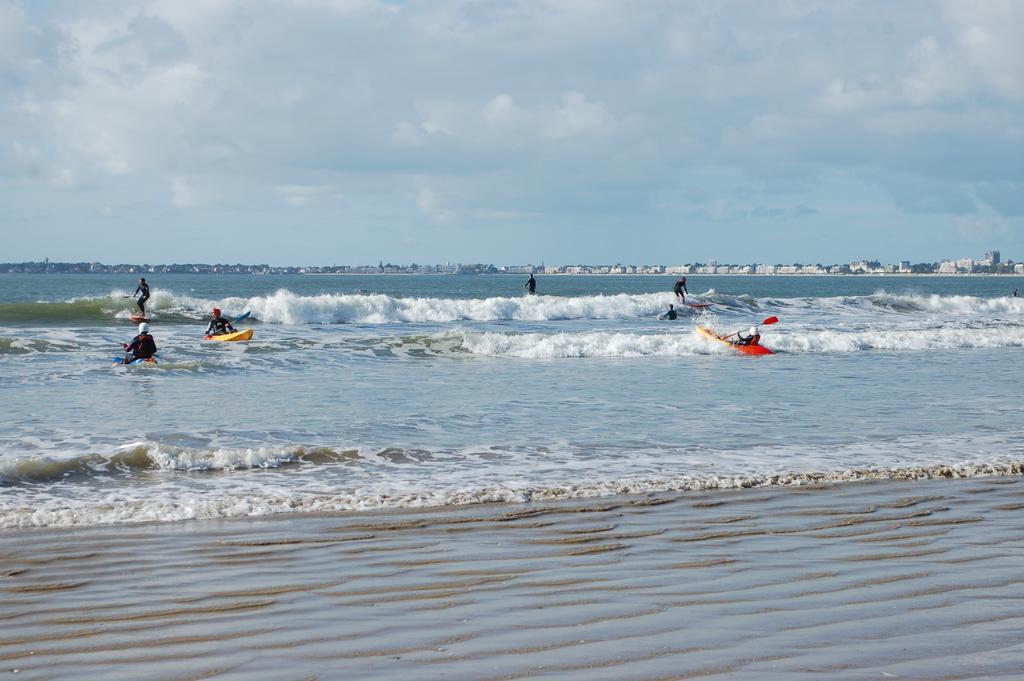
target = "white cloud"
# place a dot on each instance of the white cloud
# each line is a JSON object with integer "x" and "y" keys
{"x": 299, "y": 195}
{"x": 560, "y": 110}
{"x": 183, "y": 193}
{"x": 426, "y": 201}
{"x": 502, "y": 112}
{"x": 64, "y": 178}
{"x": 990, "y": 35}
{"x": 577, "y": 116}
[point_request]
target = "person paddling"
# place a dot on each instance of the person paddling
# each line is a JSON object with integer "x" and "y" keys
{"x": 680, "y": 288}
{"x": 531, "y": 285}
{"x": 753, "y": 337}
{"x": 142, "y": 288}
{"x": 671, "y": 314}
{"x": 143, "y": 346}
{"x": 218, "y": 324}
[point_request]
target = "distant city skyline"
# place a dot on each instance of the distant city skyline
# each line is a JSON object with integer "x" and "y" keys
{"x": 991, "y": 263}
{"x": 296, "y": 132}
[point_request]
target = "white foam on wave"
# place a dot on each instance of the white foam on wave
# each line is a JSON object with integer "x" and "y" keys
{"x": 594, "y": 344}
{"x": 897, "y": 340}
{"x": 166, "y": 503}
{"x": 953, "y": 305}
{"x": 610, "y": 344}
{"x": 285, "y": 307}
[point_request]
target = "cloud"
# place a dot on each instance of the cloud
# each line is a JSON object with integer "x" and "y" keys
{"x": 183, "y": 193}
{"x": 577, "y": 116}
{"x": 299, "y": 195}
{"x": 463, "y": 113}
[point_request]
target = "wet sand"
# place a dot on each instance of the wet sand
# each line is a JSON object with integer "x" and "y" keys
{"x": 875, "y": 580}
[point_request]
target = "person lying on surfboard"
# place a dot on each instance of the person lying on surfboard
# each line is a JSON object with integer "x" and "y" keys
{"x": 218, "y": 324}
{"x": 142, "y": 346}
{"x": 753, "y": 337}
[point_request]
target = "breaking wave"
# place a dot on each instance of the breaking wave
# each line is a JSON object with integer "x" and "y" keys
{"x": 132, "y": 505}
{"x": 286, "y": 307}
{"x": 609, "y": 344}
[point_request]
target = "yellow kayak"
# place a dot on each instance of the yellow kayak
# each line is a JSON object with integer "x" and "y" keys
{"x": 233, "y": 336}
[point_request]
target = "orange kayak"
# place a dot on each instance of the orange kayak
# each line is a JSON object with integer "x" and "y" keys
{"x": 745, "y": 349}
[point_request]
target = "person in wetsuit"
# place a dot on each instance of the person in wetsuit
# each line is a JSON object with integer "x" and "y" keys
{"x": 753, "y": 337}
{"x": 1016, "y": 293}
{"x": 142, "y": 288}
{"x": 531, "y": 285}
{"x": 142, "y": 346}
{"x": 680, "y": 288}
{"x": 671, "y": 314}
{"x": 218, "y": 324}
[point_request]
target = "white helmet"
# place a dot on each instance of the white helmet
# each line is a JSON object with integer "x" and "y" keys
{"x": 752, "y": 331}
{"x": 143, "y": 327}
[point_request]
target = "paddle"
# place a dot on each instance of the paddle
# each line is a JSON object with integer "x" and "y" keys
{"x": 768, "y": 322}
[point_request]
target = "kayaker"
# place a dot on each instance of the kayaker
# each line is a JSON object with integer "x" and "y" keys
{"x": 680, "y": 288}
{"x": 753, "y": 337}
{"x": 218, "y": 324}
{"x": 142, "y": 288}
{"x": 142, "y": 346}
{"x": 531, "y": 285}
{"x": 671, "y": 314}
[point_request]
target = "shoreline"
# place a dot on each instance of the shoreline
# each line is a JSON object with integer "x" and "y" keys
{"x": 888, "y": 579}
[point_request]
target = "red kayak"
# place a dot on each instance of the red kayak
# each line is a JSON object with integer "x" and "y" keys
{"x": 745, "y": 349}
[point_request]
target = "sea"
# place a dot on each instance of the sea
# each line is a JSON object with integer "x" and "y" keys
{"x": 369, "y": 392}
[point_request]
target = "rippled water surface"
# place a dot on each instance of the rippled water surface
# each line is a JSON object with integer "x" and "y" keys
{"x": 363, "y": 391}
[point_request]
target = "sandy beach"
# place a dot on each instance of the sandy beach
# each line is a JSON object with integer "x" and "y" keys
{"x": 890, "y": 579}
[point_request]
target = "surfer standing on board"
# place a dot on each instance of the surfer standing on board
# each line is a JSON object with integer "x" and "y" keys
{"x": 142, "y": 288}
{"x": 680, "y": 288}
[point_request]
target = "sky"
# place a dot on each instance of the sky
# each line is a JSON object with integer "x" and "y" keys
{"x": 507, "y": 132}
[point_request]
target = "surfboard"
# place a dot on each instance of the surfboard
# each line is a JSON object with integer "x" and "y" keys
{"x": 139, "y": 318}
{"x": 118, "y": 361}
{"x": 698, "y": 306}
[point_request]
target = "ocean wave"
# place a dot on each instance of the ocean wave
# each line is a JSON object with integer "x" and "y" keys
{"x": 952, "y": 305}
{"x": 288, "y": 308}
{"x": 609, "y": 344}
{"x": 151, "y": 456}
{"x": 578, "y": 345}
{"x": 129, "y": 506}
{"x": 25, "y": 346}
{"x": 285, "y": 307}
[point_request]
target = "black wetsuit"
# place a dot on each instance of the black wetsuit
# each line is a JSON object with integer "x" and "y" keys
{"x": 671, "y": 314}
{"x": 141, "y": 347}
{"x": 531, "y": 285}
{"x": 218, "y": 325}
{"x": 680, "y": 287}
{"x": 143, "y": 287}
{"x": 749, "y": 340}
